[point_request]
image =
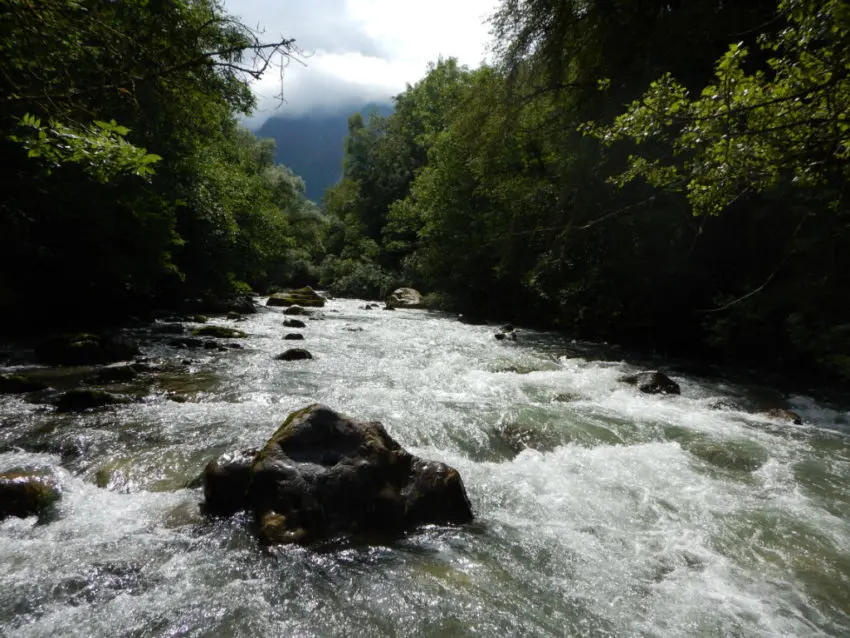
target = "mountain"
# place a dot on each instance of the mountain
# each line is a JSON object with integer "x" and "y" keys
{"x": 311, "y": 145}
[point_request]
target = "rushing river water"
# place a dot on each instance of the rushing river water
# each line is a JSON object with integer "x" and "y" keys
{"x": 643, "y": 515}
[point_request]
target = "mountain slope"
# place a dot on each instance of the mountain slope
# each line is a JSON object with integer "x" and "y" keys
{"x": 311, "y": 145}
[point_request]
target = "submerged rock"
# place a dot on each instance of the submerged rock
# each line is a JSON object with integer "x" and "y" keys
{"x": 519, "y": 437}
{"x": 117, "y": 373}
{"x": 294, "y": 336}
{"x": 79, "y": 400}
{"x": 25, "y": 494}
{"x": 502, "y": 336}
{"x": 729, "y": 456}
{"x": 294, "y": 354}
{"x": 405, "y": 298}
{"x": 323, "y": 475}
{"x": 298, "y": 297}
{"x": 780, "y": 414}
{"x": 652, "y": 382}
{"x": 84, "y": 349}
{"x": 220, "y": 332}
{"x": 19, "y": 384}
{"x": 294, "y": 323}
{"x": 168, "y": 329}
{"x": 191, "y": 343}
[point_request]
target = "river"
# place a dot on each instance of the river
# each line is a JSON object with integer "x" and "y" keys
{"x": 640, "y": 515}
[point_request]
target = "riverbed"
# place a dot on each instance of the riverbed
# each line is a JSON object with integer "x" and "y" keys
{"x": 629, "y": 515}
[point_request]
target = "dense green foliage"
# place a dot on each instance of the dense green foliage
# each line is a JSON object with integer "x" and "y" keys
{"x": 127, "y": 180}
{"x": 709, "y": 218}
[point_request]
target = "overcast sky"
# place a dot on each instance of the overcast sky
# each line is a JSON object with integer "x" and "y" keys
{"x": 361, "y": 50}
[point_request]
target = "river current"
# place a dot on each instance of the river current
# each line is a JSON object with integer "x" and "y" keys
{"x": 638, "y": 515}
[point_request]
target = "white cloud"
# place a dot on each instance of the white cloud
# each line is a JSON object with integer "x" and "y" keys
{"x": 362, "y": 50}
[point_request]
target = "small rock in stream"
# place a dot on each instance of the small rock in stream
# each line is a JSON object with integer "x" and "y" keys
{"x": 652, "y": 382}
{"x": 294, "y": 336}
{"x": 294, "y": 323}
{"x": 780, "y": 414}
{"x": 294, "y": 354}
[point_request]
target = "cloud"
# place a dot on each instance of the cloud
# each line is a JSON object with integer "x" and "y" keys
{"x": 361, "y": 50}
{"x": 324, "y": 26}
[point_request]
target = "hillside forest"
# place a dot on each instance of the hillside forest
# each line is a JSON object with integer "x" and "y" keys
{"x": 670, "y": 175}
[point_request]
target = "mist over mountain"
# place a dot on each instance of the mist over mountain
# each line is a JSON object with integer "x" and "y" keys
{"x": 312, "y": 144}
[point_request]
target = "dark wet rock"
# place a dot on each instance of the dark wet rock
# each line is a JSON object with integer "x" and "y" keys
{"x": 214, "y": 345}
{"x": 652, "y": 382}
{"x": 353, "y": 329}
{"x": 25, "y": 494}
{"x": 305, "y": 297}
{"x": 235, "y": 316}
{"x": 520, "y": 437}
{"x": 294, "y": 336}
{"x": 780, "y": 414}
{"x": 189, "y": 343}
{"x": 296, "y": 310}
{"x": 323, "y": 475}
{"x": 226, "y": 481}
{"x": 405, "y": 298}
{"x": 508, "y": 327}
{"x": 294, "y": 323}
{"x": 233, "y": 346}
{"x": 724, "y": 404}
{"x": 168, "y": 329}
{"x": 294, "y": 354}
{"x": 220, "y": 332}
{"x": 502, "y": 336}
{"x": 19, "y": 384}
{"x": 199, "y": 318}
{"x": 79, "y": 400}
{"x": 85, "y": 349}
{"x": 370, "y": 306}
{"x": 117, "y": 373}
{"x": 388, "y": 308}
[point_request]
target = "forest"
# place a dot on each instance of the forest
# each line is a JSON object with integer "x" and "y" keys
{"x": 671, "y": 176}
{"x": 665, "y": 175}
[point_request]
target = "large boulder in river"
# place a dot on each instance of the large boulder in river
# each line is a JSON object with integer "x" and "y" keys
{"x": 405, "y": 298}
{"x": 652, "y": 382}
{"x": 25, "y": 494}
{"x": 294, "y": 323}
{"x": 84, "y": 349}
{"x": 304, "y": 297}
{"x": 324, "y": 475}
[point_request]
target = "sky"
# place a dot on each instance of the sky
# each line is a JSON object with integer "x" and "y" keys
{"x": 360, "y": 51}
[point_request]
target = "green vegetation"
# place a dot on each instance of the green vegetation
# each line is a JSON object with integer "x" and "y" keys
{"x": 667, "y": 174}
{"x": 128, "y": 182}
